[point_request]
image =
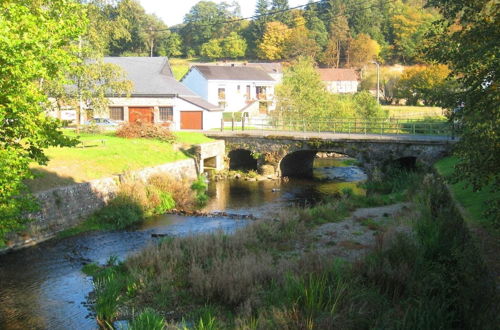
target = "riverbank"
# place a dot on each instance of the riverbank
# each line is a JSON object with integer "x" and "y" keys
{"x": 103, "y": 155}
{"x": 272, "y": 274}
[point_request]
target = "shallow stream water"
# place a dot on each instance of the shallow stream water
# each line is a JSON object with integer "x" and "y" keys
{"x": 43, "y": 287}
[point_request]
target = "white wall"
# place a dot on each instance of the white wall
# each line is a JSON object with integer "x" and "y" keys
{"x": 196, "y": 82}
{"x": 237, "y": 99}
{"x": 211, "y": 119}
{"x": 340, "y": 87}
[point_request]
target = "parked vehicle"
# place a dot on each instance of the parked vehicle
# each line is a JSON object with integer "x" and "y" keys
{"x": 103, "y": 122}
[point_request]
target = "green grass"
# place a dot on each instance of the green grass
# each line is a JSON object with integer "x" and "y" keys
{"x": 413, "y": 112}
{"x": 180, "y": 66}
{"x": 105, "y": 155}
{"x": 433, "y": 278}
{"x": 473, "y": 202}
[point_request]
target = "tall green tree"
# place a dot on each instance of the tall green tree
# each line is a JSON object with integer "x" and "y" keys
{"x": 204, "y": 22}
{"x": 467, "y": 40}
{"x": 37, "y": 44}
{"x": 283, "y": 15}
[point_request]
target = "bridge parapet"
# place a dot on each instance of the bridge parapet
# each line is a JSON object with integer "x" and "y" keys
{"x": 372, "y": 151}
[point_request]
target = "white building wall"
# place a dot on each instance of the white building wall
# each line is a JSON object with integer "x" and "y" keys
{"x": 197, "y": 83}
{"x": 211, "y": 119}
{"x": 236, "y": 98}
{"x": 341, "y": 87}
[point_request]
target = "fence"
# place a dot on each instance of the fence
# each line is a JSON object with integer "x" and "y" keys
{"x": 349, "y": 126}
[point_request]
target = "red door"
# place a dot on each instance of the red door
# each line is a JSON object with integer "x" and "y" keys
{"x": 142, "y": 114}
{"x": 191, "y": 120}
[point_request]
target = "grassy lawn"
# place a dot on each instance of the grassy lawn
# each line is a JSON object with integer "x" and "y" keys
{"x": 105, "y": 154}
{"x": 474, "y": 203}
{"x": 413, "y": 112}
{"x": 180, "y": 66}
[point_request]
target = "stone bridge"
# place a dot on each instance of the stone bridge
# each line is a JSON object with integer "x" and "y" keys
{"x": 293, "y": 153}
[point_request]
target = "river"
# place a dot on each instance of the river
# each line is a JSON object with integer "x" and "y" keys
{"x": 43, "y": 287}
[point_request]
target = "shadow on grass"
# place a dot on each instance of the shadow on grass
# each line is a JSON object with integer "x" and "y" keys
{"x": 45, "y": 180}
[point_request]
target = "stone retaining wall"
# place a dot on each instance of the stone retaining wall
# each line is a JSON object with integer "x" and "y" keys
{"x": 66, "y": 207}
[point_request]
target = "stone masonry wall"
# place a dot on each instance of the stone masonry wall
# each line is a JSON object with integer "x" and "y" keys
{"x": 66, "y": 207}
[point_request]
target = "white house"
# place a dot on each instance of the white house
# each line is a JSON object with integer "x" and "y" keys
{"x": 233, "y": 88}
{"x": 158, "y": 98}
{"x": 339, "y": 81}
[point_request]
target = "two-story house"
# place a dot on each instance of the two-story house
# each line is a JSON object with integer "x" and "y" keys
{"x": 233, "y": 88}
{"x": 339, "y": 81}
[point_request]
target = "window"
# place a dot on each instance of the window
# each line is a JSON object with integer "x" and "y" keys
{"x": 248, "y": 93}
{"x": 222, "y": 94}
{"x": 238, "y": 88}
{"x": 116, "y": 113}
{"x": 261, "y": 92}
{"x": 166, "y": 114}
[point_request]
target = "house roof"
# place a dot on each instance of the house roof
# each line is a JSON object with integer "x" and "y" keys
{"x": 215, "y": 72}
{"x": 152, "y": 77}
{"x": 271, "y": 68}
{"x": 333, "y": 74}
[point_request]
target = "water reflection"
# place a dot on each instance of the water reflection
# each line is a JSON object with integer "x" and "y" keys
{"x": 42, "y": 287}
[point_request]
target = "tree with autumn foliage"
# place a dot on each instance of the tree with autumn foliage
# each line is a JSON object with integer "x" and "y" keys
{"x": 363, "y": 50}
{"x": 425, "y": 83}
{"x": 272, "y": 46}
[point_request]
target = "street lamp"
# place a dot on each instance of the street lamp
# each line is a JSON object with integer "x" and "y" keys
{"x": 378, "y": 80}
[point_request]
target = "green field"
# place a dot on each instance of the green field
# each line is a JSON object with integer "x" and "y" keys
{"x": 180, "y": 66}
{"x": 414, "y": 112}
{"x": 101, "y": 155}
{"x": 473, "y": 202}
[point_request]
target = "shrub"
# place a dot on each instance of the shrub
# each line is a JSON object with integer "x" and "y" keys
{"x": 200, "y": 187}
{"x": 180, "y": 190}
{"x": 139, "y": 129}
{"x": 121, "y": 212}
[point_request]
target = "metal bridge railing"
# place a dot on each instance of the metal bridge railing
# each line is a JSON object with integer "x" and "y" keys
{"x": 347, "y": 126}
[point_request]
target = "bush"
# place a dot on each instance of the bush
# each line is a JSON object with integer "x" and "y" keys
{"x": 139, "y": 129}
{"x": 200, "y": 187}
{"x": 120, "y": 212}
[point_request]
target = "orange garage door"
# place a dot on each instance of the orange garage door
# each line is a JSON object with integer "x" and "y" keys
{"x": 142, "y": 114}
{"x": 191, "y": 120}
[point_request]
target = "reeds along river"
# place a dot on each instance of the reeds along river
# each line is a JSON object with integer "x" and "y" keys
{"x": 42, "y": 287}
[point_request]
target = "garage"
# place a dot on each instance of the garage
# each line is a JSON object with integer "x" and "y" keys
{"x": 142, "y": 114}
{"x": 191, "y": 120}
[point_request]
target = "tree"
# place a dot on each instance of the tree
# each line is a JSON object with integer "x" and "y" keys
{"x": 234, "y": 46}
{"x": 36, "y": 45}
{"x": 363, "y": 50}
{"x": 203, "y": 23}
{"x": 467, "y": 41}
{"x": 337, "y": 48}
{"x": 424, "y": 83}
{"x": 409, "y": 28}
{"x": 300, "y": 42}
{"x": 212, "y": 49}
{"x": 272, "y": 46}
{"x": 283, "y": 14}
{"x": 302, "y": 94}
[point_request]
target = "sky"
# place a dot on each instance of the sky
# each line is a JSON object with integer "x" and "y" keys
{"x": 172, "y": 11}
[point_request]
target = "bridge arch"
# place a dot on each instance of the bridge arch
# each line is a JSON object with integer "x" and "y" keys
{"x": 298, "y": 163}
{"x": 242, "y": 159}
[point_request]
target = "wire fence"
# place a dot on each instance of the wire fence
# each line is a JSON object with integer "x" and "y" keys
{"x": 347, "y": 126}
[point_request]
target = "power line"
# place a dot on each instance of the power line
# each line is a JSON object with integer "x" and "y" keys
{"x": 344, "y": 13}
{"x": 271, "y": 13}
